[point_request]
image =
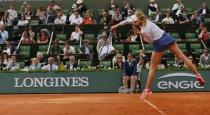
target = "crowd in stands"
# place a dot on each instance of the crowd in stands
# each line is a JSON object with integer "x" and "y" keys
{"x": 79, "y": 14}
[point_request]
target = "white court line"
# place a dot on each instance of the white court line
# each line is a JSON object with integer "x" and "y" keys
{"x": 155, "y": 107}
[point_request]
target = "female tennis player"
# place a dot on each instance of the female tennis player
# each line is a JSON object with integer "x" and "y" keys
{"x": 161, "y": 40}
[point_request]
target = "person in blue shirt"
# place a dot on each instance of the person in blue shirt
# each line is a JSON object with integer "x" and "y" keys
{"x": 3, "y": 34}
{"x": 130, "y": 73}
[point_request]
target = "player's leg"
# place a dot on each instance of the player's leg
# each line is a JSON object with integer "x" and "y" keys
{"x": 133, "y": 82}
{"x": 176, "y": 50}
{"x": 155, "y": 60}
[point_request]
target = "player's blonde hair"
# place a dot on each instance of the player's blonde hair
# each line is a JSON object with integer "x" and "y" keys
{"x": 140, "y": 15}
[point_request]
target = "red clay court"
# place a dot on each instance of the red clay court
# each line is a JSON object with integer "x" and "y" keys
{"x": 193, "y": 103}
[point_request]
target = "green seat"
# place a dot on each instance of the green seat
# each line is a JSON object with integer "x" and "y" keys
{"x": 66, "y": 12}
{"x": 134, "y": 48}
{"x": 61, "y": 37}
{"x": 189, "y": 10}
{"x": 106, "y": 63}
{"x": 21, "y": 64}
{"x": 148, "y": 48}
{"x": 196, "y": 49}
{"x": 183, "y": 47}
{"x": 163, "y": 10}
{"x": 206, "y": 20}
{"x": 34, "y": 22}
{"x": 175, "y": 35}
{"x": 25, "y": 51}
{"x": 119, "y": 46}
{"x": 85, "y": 63}
{"x": 43, "y": 48}
{"x": 89, "y": 36}
{"x": 191, "y": 37}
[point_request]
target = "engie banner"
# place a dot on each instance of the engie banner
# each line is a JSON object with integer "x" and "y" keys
{"x": 169, "y": 81}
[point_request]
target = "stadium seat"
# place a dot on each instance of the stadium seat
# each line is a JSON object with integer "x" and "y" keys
{"x": 84, "y": 64}
{"x": 90, "y": 37}
{"x": 189, "y": 10}
{"x": 34, "y": 22}
{"x": 61, "y": 37}
{"x": 134, "y": 48}
{"x": 43, "y": 49}
{"x": 183, "y": 47}
{"x": 191, "y": 37}
{"x": 119, "y": 46}
{"x": 21, "y": 64}
{"x": 206, "y": 20}
{"x": 148, "y": 48}
{"x": 106, "y": 63}
{"x": 196, "y": 49}
{"x": 25, "y": 51}
{"x": 66, "y": 12}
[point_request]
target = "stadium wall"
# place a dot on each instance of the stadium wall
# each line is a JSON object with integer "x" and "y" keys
{"x": 100, "y": 4}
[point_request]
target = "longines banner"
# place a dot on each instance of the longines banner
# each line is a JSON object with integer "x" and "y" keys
{"x": 72, "y": 82}
{"x": 177, "y": 81}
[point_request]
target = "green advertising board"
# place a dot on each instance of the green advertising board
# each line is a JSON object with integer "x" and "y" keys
{"x": 169, "y": 81}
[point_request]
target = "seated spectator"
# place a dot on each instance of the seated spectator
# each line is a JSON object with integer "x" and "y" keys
{"x": 195, "y": 18}
{"x": 75, "y": 18}
{"x": 81, "y": 7}
{"x": 23, "y": 21}
{"x": 50, "y": 65}
{"x": 28, "y": 13}
{"x": 168, "y": 19}
{"x": 72, "y": 64}
{"x": 127, "y": 9}
{"x": 43, "y": 37}
{"x": 142, "y": 57}
{"x": 203, "y": 12}
{"x": 205, "y": 58}
{"x": 116, "y": 17}
{"x": 68, "y": 50}
{"x": 42, "y": 14}
{"x": 116, "y": 36}
{"x": 104, "y": 18}
{"x": 128, "y": 16}
{"x": 51, "y": 15}
{"x": 31, "y": 33}
{"x": 40, "y": 58}
{"x": 5, "y": 20}
{"x": 55, "y": 50}
{"x": 53, "y": 5}
{"x": 85, "y": 49}
{"x": 119, "y": 64}
{"x": 3, "y": 34}
{"x": 205, "y": 36}
{"x": 87, "y": 20}
{"x": 59, "y": 19}
{"x": 13, "y": 65}
{"x": 183, "y": 19}
{"x": 113, "y": 6}
{"x": 26, "y": 38}
{"x": 2, "y": 65}
{"x": 76, "y": 35}
{"x": 6, "y": 58}
{"x": 24, "y": 7}
{"x": 12, "y": 13}
{"x": 130, "y": 73}
{"x": 9, "y": 49}
{"x": 118, "y": 53}
{"x": 177, "y": 6}
{"x": 35, "y": 65}
{"x": 152, "y": 9}
{"x": 132, "y": 35}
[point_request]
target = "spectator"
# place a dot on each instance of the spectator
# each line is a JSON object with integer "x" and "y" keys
{"x": 42, "y": 14}
{"x": 28, "y": 13}
{"x": 130, "y": 73}
{"x": 152, "y": 9}
{"x": 195, "y": 18}
{"x": 75, "y": 18}
{"x": 68, "y": 50}
{"x": 13, "y": 65}
{"x": 12, "y": 13}
{"x": 119, "y": 63}
{"x": 205, "y": 58}
{"x": 2, "y": 65}
{"x": 31, "y": 33}
{"x": 3, "y": 34}
{"x": 76, "y": 35}
{"x": 50, "y": 66}
{"x": 9, "y": 48}
{"x": 116, "y": 17}
{"x": 35, "y": 65}
{"x": 40, "y": 58}
{"x": 59, "y": 19}
{"x": 22, "y": 21}
{"x": 81, "y": 7}
{"x": 43, "y": 37}
{"x": 55, "y": 50}
{"x": 116, "y": 36}
{"x": 5, "y": 20}
{"x": 104, "y": 18}
{"x": 181, "y": 15}
{"x": 177, "y": 6}
{"x": 85, "y": 49}
{"x": 127, "y": 10}
{"x": 205, "y": 36}
{"x": 51, "y": 15}
{"x": 6, "y": 58}
{"x": 53, "y": 5}
{"x": 114, "y": 59}
{"x": 168, "y": 19}
{"x": 72, "y": 64}
{"x": 24, "y": 7}
{"x": 141, "y": 57}
{"x": 87, "y": 20}
{"x": 113, "y": 6}
{"x": 26, "y": 38}
{"x": 203, "y": 11}
{"x": 132, "y": 35}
